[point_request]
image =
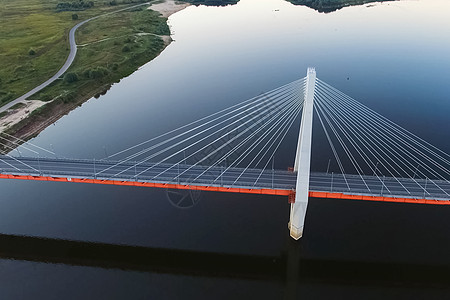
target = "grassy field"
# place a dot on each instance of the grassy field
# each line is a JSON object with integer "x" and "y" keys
{"x": 33, "y": 43}
{"x": 26, "y": 25}
{"x": 109, "y": 48}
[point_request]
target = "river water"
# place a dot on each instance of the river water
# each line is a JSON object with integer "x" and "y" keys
{"x": 393, "y": 57}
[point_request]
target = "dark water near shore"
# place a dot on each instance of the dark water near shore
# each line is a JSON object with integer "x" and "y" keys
{"x": 394, "y": 57}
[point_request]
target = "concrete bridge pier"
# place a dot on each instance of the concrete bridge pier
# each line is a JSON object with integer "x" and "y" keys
{"x": 303, "y": 160}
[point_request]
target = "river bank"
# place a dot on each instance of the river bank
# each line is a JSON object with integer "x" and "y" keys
{"x": 100, "y": 62}
{"x": 99, "y": 48}
{"x": 327, "y": 6}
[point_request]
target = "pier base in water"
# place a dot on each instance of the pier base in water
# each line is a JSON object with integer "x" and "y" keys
{"x": 296, "y": 233}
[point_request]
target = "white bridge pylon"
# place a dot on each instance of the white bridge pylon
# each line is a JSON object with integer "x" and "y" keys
{"x": 303, "y": 160}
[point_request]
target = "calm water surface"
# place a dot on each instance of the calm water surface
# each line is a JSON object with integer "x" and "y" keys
{"x": 394, "y": 57}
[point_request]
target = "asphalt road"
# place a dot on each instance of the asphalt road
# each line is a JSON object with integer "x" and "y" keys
{"x": 220, "y": 176}
{"x": 67, "y": 64}
{"x": 62, "y": 70}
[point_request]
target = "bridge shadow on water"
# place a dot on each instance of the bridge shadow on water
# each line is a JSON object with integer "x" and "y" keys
{"x": 291, "y": 268}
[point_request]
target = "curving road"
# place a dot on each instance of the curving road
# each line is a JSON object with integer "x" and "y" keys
{"x": 69, "y": 60}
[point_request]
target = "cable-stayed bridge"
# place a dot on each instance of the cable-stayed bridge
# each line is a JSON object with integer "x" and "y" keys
{"x": 235, "y": 180}
{"x": 233, "y": 151}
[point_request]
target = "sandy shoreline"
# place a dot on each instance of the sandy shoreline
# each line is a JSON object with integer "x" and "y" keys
{"x": 14, "y": 116}
{"x": 169, "y": 7}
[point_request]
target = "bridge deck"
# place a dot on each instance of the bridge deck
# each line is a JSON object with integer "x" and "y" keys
{"x": 275, "y": 182}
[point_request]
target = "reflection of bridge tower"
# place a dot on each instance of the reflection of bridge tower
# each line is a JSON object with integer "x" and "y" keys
{"x": 302, "y": 160}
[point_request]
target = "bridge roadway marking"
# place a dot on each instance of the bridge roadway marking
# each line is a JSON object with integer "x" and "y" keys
{"x": 318, "y": 181}
{"x": 283, "y": 181}
{"x": 279, "y": 192}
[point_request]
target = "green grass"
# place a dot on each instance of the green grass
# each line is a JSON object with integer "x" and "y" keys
{"x": 37, "y": 25}
{"x": 18, "y": 105}
{"x": 111, "y": 47}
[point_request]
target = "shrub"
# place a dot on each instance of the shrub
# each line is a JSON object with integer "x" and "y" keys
{"x": 69, "y": 97}
{"x": 74, "y": 17}
{"x": 74, "y": 5}
{"x": 31, "y": 52}
{"x": 98, "y": 72}
{"x": 94, "y": 74}
{"x": 126, "y": 49}
{"x": 70, "y": 77}
{"x": 104, "y": 71}
{"x": 7, "y": 97}
{"x": 86, "y": 73}
{"x": 45, "y": 97}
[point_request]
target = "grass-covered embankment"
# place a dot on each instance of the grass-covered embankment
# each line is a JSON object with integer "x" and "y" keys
{"x": 34, "y": 40}
{"x": 109, "y": 48}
